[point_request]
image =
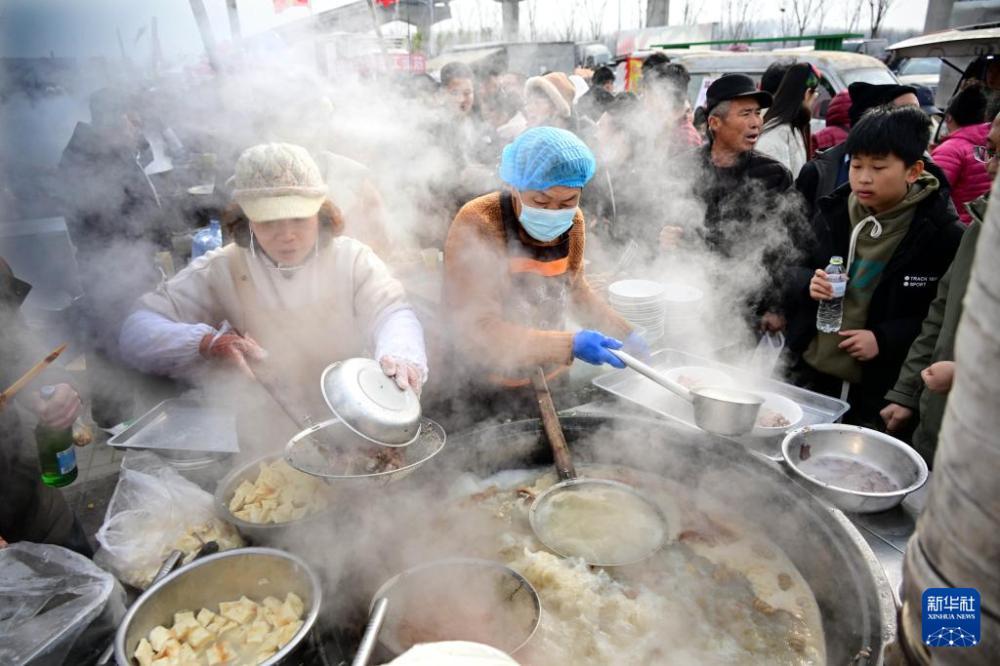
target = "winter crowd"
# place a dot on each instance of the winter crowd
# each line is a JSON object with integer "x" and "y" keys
{"x": 537, "y": 175}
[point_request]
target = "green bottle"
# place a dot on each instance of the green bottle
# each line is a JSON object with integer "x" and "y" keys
{"x": 56, "y": 451}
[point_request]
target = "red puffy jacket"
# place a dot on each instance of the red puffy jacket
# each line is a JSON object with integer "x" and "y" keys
{"x": 838, "y": 123}
{"x": 966, "y": 175}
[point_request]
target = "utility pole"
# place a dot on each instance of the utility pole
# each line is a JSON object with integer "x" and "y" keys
{"x": 511, "y": 19}
{"x": 205, "y": 28}
{"x": 657, "y": 13}
{"x": 938, "y": 15}
{"x": 235, "y": 31}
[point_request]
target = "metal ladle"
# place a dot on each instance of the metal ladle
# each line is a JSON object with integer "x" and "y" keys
{"x": 540, "y": 519}
{"x": 722, "y": 411}
{"x": 370, "y": 637}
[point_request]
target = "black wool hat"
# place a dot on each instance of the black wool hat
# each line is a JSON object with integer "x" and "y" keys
{"x": 733, "y": 86}
{"x": 602, "y": 75}
{"x": 866, "y": 96}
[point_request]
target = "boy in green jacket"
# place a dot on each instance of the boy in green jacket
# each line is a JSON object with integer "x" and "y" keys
{"x": 897, "y": 230}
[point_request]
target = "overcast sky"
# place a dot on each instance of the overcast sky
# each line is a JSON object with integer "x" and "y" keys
{"x": 34, "y": 28}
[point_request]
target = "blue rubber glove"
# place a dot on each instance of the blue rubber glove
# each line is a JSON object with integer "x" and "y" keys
{"x": 592, "y": 347}
{"x": 636, "y": 346}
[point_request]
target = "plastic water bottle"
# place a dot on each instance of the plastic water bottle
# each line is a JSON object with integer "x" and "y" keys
{"x": 831, "y": 312}
{"x": 56, "y": 453}
{"x": 206, "y": 239}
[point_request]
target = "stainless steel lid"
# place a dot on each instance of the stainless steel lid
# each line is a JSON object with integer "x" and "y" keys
{"x": 370, "y": 404}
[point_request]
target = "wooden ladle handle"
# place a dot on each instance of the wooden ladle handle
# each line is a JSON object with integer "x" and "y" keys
{"x": 553, "y": 429}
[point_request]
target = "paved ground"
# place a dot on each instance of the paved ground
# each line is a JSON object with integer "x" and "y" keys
{"x": 90, "y": 494}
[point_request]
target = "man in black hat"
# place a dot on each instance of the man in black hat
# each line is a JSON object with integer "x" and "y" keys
{"x": 821, "y": 176}
{"x": 747, "y": 207}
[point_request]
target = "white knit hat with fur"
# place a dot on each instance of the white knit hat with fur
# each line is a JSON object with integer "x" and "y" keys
{"x": 557, "y": 87}
{"x": 277, "y": 181}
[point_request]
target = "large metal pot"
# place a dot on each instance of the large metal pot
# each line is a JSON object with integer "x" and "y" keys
{"x": 255, "y": 572}
{"x": 854, "y": 596}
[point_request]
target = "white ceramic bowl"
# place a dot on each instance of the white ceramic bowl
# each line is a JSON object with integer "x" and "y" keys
{"x": 784, "y": 406}
{"x": 636, "y": 290}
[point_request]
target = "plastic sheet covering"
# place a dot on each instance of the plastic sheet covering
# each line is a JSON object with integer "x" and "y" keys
{"x": 50, "y": 596}
{"x": 153, "y": 511}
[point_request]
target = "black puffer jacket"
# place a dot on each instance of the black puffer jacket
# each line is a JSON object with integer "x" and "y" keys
{"x": 751, "y": 207}
{"x": 905, "y": 291}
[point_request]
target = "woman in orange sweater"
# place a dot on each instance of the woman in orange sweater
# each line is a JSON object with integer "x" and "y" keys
{"x": 513, "y": 263}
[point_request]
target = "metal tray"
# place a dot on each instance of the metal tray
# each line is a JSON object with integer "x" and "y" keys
{"x": 181, "y": 424}
{"x": 633, "y": 387}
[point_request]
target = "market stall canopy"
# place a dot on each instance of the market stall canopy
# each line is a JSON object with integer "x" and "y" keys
{"x": 959, "y": 43}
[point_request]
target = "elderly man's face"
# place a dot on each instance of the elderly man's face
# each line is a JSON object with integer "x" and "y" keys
{"x": 739, "y": 129}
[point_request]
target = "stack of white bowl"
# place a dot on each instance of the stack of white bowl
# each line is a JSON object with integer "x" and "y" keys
{"x": 641, "y": 303}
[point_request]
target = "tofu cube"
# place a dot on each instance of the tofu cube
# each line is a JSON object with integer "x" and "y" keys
{"x": 184, "y": 622}
{"x": 221, "y": 625}
{"x": 287, "y": 632}
{"x": 258, "y": 631}
{"x": 171, "y": 648}
{"x": 199, "y": 637}
{"x": 287, "y": 613}
{"x": 164, "y": 661}
{"x": 188, "y": 657}
{"x": 240, "y": 611}
{"x": 295, "y": 601}
{"x": 271, "y": 643}
{"x": 205, "y": 617}
{"x": 220, "y": 653}
{"x": 264, "y": 656}
{"x": 158, "y": 638}
{"x": 144, "y": 653}
{"x": 271, "y": 602}
{"x": 244, "y": 490}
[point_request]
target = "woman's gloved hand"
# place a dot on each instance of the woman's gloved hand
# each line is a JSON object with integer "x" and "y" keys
{"x": 592, "y": 347}
{"x": 636, "y": 346}
{"x": 231, "y": 348}
{"x": 406, "y": 374}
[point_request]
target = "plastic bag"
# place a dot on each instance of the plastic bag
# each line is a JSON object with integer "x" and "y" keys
{"x": 153, "y": 511}
{"x": 49, "y": 596}
{"x": 766, "y": 355}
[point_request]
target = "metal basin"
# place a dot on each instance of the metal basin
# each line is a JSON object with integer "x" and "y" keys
{"x": 854, "y": 596}
{"x": 255, "y": 572}
{"x": 262, "y": 533}
{"x": 893, "y": 458}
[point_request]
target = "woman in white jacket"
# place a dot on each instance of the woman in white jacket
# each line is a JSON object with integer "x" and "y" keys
{"x": 288, "y": 297}
{"x": 786, "y": 135}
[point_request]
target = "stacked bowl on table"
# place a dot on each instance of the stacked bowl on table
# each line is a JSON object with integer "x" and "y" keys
{"x": 641, "y": 304}
{"x": 658, "y": 310}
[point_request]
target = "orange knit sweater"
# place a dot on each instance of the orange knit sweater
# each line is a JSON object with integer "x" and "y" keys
{"x": 477, "y": 282}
